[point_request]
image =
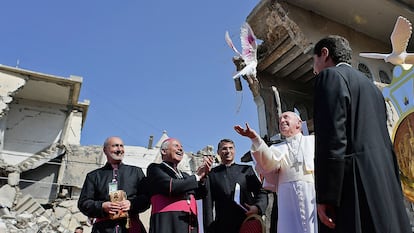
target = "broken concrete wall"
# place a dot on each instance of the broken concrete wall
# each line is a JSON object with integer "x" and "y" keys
{"x": 32, "y": 126}
{"x": 41, "y": 183}
{"x": 79, "y": 160}
{"x": 10, "y": 84}
{"x": 73, "y": 128}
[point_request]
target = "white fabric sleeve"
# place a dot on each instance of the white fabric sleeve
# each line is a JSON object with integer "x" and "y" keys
{"x": 266, "y": 159}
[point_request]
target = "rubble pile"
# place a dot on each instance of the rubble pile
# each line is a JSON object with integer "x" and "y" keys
{"x": 63, "y": 217}
{"x": 23, "y": 214}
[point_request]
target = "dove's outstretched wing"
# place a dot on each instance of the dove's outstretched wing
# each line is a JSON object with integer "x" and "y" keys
{"x": 373, "y": 55}
{"x": 401, "y": 35}
{"x": 249, "y": 50}
{"x": 230, "y": 43}
{"x": 399, "y": 41}
{"x": 249, "y": 69}
{"x": 248, "y": 43}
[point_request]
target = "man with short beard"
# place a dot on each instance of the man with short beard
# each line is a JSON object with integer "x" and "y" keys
{"x": 94, "y": 200}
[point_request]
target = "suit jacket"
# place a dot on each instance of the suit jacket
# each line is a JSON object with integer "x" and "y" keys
{"x": 94, "y": 192}
{"x": 221, "y": 185}
{"x": 355, "y": 166}
{"x": 164, "y": 181}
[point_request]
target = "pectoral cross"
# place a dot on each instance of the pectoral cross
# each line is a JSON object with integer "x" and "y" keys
{"x": 296, "y": 162}
{"x": 296, "y": 165}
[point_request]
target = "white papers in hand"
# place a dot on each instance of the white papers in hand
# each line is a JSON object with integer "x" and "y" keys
{"x": 237, "y": 196}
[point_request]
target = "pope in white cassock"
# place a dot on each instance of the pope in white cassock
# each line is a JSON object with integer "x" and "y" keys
{"x": 288, "y": 168}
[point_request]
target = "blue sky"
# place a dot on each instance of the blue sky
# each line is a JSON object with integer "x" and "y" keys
{"x": 147, "y": 66}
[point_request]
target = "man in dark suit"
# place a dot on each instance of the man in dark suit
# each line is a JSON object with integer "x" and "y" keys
{"x": 221, "y": 184}
{"x": 356, "y": 171}
{"x": 174, "y": 192}
{"x": 114, "y": 178}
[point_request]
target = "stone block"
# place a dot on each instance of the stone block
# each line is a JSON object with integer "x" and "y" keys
{"x": 71, "y": 205}
{"x": 7, "y": 195}
{"x": 4, "y": 211}
{"x": 80, "y": 217}
{"x": 65, "y": 221}
{"x": 73, "y": 223}
{"x": 68, "y": 204}
{"x": 60, "y": 212}
{"x": 3, "y": 227}
{"x": 42, "y": 219}
{"x": 28, "y": 204}
{"x": 13, "y": 179}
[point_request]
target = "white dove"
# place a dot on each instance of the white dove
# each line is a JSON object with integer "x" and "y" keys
{"x": 399, "y": 41}
{"x": 249, "y": 50}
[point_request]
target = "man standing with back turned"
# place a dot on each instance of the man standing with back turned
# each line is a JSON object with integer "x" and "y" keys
{"x": 356, "y": 172}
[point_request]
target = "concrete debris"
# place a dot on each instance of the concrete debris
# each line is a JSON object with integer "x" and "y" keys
{"x": 7, "y": 195}
{"x": 13, "y": 179}
{"x": 29, "y": 216}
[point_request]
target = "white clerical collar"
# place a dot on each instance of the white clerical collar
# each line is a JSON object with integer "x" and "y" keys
{"x": 228, "y": 165}
{"x": 177, "y": 172}
{"x": 295, "y": 137}
{"x": 342, "y": 63}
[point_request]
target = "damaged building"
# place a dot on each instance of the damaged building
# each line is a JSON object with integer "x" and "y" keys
{"x": 42, "y": 164}
{"x": 41, "y": 117}
{"x": 288, "y": 31}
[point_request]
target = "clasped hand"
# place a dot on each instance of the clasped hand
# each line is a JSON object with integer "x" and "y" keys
{"x": 115, "y": 207}
{"x": 205, "y": 168}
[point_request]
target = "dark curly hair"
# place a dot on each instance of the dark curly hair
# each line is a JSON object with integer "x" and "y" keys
{"x": 338, "y": 46}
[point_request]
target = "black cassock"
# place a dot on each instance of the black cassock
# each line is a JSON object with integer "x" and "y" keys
{"x": 94, "y": 192}
{"x": 164, "y": 184}
{"x": 221, "y": 185}
{"x": 355, "y": 166}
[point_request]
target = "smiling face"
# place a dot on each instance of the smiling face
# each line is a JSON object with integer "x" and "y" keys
{"x": 289, "y": 124}
{"x": 172, "y": 151}
{"x": 114, "y": 150}
{"x": 226, "y": 151}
